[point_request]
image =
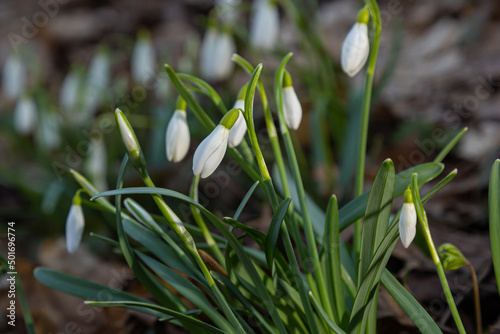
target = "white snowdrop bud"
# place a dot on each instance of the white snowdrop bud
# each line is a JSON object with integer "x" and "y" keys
{"x": 13, "y": 77}
{"x": 143, "y": 61}
{"x": 292, "y": 110}
{"x": 265, "y": 24}
{"x": 25, "y": 115}
{"x": 177, "y": 137}
{"x": 356, "y": 46}
{"x": 407, "y": 220}
{"x": 75, "y": 223}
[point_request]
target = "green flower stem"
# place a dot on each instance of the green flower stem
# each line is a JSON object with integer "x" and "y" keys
{"x": 360, "y": 172}
{"x": 311, "y": 240}
{"x": 273, "y": 197}
{"x": 422, "y": 218}
{"x": 273, "y": 137}
{"x": 189, "y": 244}
{"x": 193, "y": 193}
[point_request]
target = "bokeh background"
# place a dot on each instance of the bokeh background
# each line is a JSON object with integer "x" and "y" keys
{"x": 438, "y": 71}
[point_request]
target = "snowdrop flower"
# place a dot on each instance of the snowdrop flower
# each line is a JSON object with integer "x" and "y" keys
{"x": 227, "y": 10}
{"x": 70, "y": 90}
{"x": 239, "y": 128}
{"x": 215, "y": 54}
{"x": 130, "y": 140}
{"x": 13, "y": 77}
{"x": 25, "y": 116}
{"x": 211, "y": 151}
{"x": 75, "y": 223}
{"x": 177, "y": 136}
{"x": 143, "y": 59}
{"x": 47, "y": 132}
{"x": 356, "y": 45}
{"x": 292, "y": 110}
{"x": 98, "y": 78}
{"x": 407, "y": 220}
{"x": 265, "y": 24}
{"x": 95, "y": 165}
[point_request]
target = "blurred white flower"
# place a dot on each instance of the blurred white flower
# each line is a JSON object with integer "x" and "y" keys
{"x": 356, "y": 46}
{"x": 215, "y": 54}
{"x": 70, "y": 89}
{"x": 25, "y": 115}
{"x": 407, "y": 220}
{"x": 177, "y": 136}
{"x": 265, "y": 24}
{"x": 239, "y": 128}
{"x": 227, "y": 10}
{"x": 13, "y": 77}
{"x": 75, "y": 223}
{"x": 95, "y": 164}
{"x": 292, "y": 109}
{"x": 143, "y": 59}
{"x": 47, "y": 131}
{"x": 98, "y": 77}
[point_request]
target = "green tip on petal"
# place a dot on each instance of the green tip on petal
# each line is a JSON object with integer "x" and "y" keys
{"x": 363, "y": 15}
{"x": 408, "y": 198}
{"x": 287, "y": 79}
{"x": 77, "y": 200}
{"x": 181, "y": 104}
{"x": 242, "y": 92}
{"x": 230, "y": 118}
{"x": 143, "y": 34}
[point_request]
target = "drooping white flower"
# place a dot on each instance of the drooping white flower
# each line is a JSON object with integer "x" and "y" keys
{"x": 13, "y": 76}
{"x": 407, "y": 220}
{"x": 177, "y": 138}
{"x": 239, "y": 128}
{"x": 356, "y": 46}
{"x": 215, "y": 54}
{"x": 70, "y": 89}
{"x": 98, "y": 78}
{"x": 207, "y": 52}
{"x": 143, "y": 59}
{"x": 292, "y": 109}
{"x": 95, "y": 164}
{"x": 47, "y": 131}
{"x": 210, "y": 153}
{"x": 25, "y": 115}
{"x": 75, "y": 223}
{"x": 265, "y": 24}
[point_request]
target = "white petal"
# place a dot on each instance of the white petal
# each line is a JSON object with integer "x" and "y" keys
{"x": 25, "y": 116}
{"x": 68, "y": 95}
{"x": 211, "y": 151}
{"x": 207, "y": 53}
{"x": 143, "y": 61}
{"x": 355, "y": 49}
{"x": 264, "y": 30}
{"x": 407, "y": 224}
{"x": 75, "y": 224}
{"x": 177, "y": 137}
{"x": 292, "y": 109}
{"x": 238, "y": 131}
{"x": 14, "y": 77}
{"x": 224, "y": 49}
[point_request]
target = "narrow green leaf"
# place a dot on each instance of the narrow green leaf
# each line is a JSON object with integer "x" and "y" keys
{"x": 84, "y": 289}
{"x": 244, "y": 201}
{"x": 333, "y": 270}
{"x": 255, "y": 234}
{"x": 208, "y": 90}
{"x": 377, "y": 214}
{"x": 415, "y": 311}
{"x": 450, "y": 146}
{"x": 494, "y": 207}
{"x": 274, "y": 230}
{"x": 195, "y": 323}
{"x": 333, "y": 326}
